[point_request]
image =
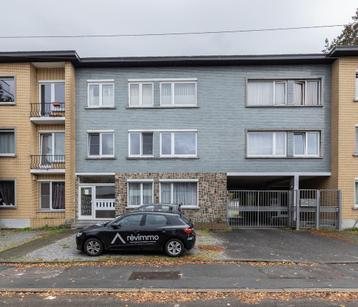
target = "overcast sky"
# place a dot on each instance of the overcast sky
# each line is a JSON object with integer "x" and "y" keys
{"x": 49, "y": 17}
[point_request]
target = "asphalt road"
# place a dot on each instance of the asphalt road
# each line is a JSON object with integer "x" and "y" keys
{"x": 192, "y": 276}
{"x": 70, "y": 301}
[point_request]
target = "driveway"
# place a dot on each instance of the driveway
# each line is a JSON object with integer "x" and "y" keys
{"x": 279, "y": 244}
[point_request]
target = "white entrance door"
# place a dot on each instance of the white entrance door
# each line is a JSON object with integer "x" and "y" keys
{"x": 86, "y": 200}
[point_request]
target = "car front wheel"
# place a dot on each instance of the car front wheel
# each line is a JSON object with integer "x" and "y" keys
{"x": 93, "y": 247}
{"x": 174, "y": 248}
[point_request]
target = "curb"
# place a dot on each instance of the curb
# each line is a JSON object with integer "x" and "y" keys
{"x": 198, "y": 261}
{"x": 181, "y": 290}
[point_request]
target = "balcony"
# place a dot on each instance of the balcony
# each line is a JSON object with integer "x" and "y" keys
{"x": 42, "y": 164}
{"x": 48, "y": 113}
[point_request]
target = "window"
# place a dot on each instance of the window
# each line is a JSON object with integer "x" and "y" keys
{"x": 182, "y": 192}
{"x": 181, "y": 93}
{"x": 7, "y": 193}
{"x": 266, "y": 144}
{"x": 52, "y": 147}
{"x": 283, "y": 92}
{"x": 356, "y": 194}
{"x": 266, "y": 93}
{"x": 131, "y": 220}
{"x": 52, "y": 195}
{"x": 7, "y": 90}
{"x": 140, "y": 144}
{"x": 306, "y": 93}
{"x": 156, "y": 220}
{"x": 140, "y": 193}
{"x": 306, "y": 144}
{"x": 140, "y": 94}
{"x": 356, "y": 152}
{"x": 357, "y": 86}
{"x": 52, "y": 92}
{"x": 178, "y": 144}
{"x": 7, "y": 142}
{"x": 100, "y": 95}
{"x": 101, "y": 144}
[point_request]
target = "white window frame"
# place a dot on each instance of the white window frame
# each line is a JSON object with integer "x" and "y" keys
{"x": 285, "y": 81}
{"x": 172, "y": 181}
{"x": 9, "y": 130}
{"x": 356, "y": 86}
{"x": 52, "y": 132}
{"x": 15, "y": 188}
{"x": 273, "y": 155}
{"x": 40, "y": 182}
{"x": 52, "y": 83}
{"x": 172, "y": 150}
{"x": 355, "y": 206}
{"x": 305, "y": 155}
{"x": 100, "y": 84}
{"x": 140, "y": 144}
{"x": 140, "y": 84}
{"x": 273, "y": 83}
{"x": 101, "y": 155}
{"x": 140, "y": 181}
{"x": 172, "y": 103}
{"x": 3, "y": 103}
{"x": 305, "y": 81}
{"x": 274, "y": 93}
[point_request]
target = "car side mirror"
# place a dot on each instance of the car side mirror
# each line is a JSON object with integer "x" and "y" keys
{"x": 116, "y": 226}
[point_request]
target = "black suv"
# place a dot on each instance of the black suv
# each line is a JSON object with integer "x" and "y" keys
{"x": 139, "y": 230}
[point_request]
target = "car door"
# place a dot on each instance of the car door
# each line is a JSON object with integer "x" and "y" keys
{"x": 155, "y": 229}
{"x": 124, "y": 232}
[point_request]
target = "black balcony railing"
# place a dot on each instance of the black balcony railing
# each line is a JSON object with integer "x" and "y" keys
{"x": 47, "y": 161}
{"x": 48, "y": 109}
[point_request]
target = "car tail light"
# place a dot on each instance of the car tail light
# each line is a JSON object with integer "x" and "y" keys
{"x": 188, "y": 230}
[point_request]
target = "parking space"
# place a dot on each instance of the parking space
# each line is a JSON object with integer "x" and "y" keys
{"x": 284, "y": 244}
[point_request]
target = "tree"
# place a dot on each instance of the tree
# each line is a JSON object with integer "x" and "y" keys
{"x": 349, "y": 36}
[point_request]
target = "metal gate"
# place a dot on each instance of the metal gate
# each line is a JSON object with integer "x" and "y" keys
{"x": 285, "y": 208}
{"x": 318, "y": 209}
{"x": 259, "y": 208}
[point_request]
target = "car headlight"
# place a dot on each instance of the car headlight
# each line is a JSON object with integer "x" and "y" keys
{"x": 79, "y": 234}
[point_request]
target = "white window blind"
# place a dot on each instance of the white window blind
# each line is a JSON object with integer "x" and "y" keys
{"x": 266, "y": 144}
{"x": 178, "y": 93}
{"x": 7, "y": 142}
{"x": 140, "y": 94}
{"x": 184, "y": 193}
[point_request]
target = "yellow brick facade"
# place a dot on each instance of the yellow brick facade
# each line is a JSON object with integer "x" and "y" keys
{"x": 344, "y": 120}
{"x": 27, "y": 211}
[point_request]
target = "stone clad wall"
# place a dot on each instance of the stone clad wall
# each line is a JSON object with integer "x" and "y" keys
{"x": 212, "y": 193}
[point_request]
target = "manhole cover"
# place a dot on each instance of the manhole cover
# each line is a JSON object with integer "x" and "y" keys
{"x": 171, "y": 275}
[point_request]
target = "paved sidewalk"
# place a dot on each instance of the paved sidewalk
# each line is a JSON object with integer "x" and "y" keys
{"x": 64, "y": 249}
{"x": 43, "y": 239}
{"x": 195, "y": 276}
{"x": 12, "y": 238}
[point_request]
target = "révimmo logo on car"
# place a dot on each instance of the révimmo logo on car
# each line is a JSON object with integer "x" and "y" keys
{"x": 136, "y": 238}
{"x": 140, "y": 237}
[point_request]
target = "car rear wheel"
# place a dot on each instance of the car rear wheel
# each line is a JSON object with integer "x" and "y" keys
{"x": 174, "y": 248}
{"x": 93, "y": 247}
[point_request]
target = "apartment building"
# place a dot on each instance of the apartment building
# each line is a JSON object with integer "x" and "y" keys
{"x": 187, "y": 130}
{"x": 345, "y": 131}
{"x": 37, "y": 141}
{"x": 84, "y": 139}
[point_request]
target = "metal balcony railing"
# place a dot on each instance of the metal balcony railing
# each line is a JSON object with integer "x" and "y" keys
{"x": 48, "y": 109}
{"x": 47, "y": 161}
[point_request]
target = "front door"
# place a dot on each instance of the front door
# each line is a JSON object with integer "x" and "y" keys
{"x": 86, "y": 202}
